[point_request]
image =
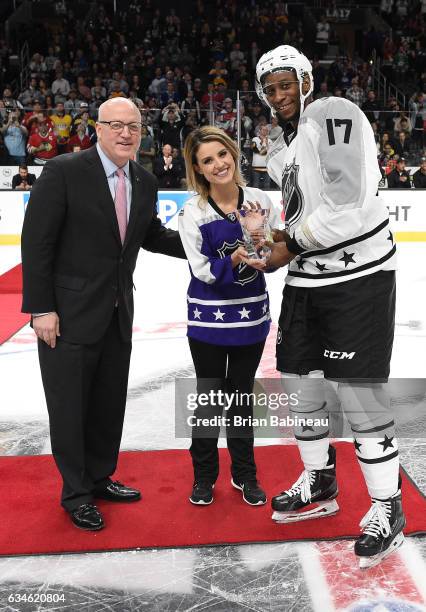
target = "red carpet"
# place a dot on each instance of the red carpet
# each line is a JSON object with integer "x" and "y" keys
{"x": 34, "y": 523}
{"x": 11, "y": 317}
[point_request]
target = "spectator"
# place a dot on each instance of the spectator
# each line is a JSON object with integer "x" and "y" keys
{"x": 167, "y": 172}
{"x": 49, "y": 105}
{"x": 323, "y": 91}
{"x": 386, "y": 155}
{"x": 355, "y": 94}
{"x": 399, "y": 178}
{"x": 218, "y": 71}
{"x": 275, "y": 130}
{"x": 419, "y": 177}
{"x": 146, "y": 151}
{"x": 402, "y": 146}
{"x": 261, "y": 145}
{"x": 170, "y": 96}
{"x": 83, "y": 89}
{"x": 42, "y": 144}
{"x": 319, "y": 75}
{"x": 44, "y": 89}
{"x": 61, "y": 126}
{"x": 23, "y": 180}
{"x": 98, "y": 91}
{"x": 60, "y": 87}
{"x": 322, "y": 37}
{"x": 83, "y": 115}
{"x": 236, "y": 56}
{"x": 212, "y": 100}
{"x": 191, "y": 103}
{"x": 180, "y": 163}
{"x": 227, "y": 118}
{"x": 403, "y": 124}
{"x": 36, "y": 120}
{"x": 190, "y": 125}
{"x": 80, "y": 140}
{"x": 391, "y": 164}
{"x": 171, "y": 126}
{"x": 348, "y": 73}
{"x": 418, "y": 118}
{"x": 38, "y": 65}
{"x": 158, "y": 83}
{"x": 371, "y": 107}
{"x": 391, "y": 114}
{"x": 255, "y": 113}
{"x": 9, "y": 101}
{"x": 72, "y": 104}
{"x": 198, "y": 90}
{"x": 118, "y": 76}
{"x": 30, "y": 94}
{"x": 15, "y": 137}
{"x": 51, "y": 60}
{"x": 30, "y": 116}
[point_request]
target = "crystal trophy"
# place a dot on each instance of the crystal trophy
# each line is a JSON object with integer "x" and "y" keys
{"x": 255, "y": 226}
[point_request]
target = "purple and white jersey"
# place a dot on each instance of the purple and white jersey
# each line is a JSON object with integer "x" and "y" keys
{"x": 226, "y": 306}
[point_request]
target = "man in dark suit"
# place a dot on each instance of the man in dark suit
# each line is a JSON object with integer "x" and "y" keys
{"x": 88, "y": 216}
{"x": 167, "y": 170}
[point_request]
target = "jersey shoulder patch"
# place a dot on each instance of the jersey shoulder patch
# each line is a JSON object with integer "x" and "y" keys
{"x": 320, "y": 109}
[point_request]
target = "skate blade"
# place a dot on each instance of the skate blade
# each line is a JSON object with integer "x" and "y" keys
{"x": 367, "y": 562}
{"x": 322, "y": 509}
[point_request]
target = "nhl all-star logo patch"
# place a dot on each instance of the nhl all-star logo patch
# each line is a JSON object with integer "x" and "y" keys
{"x": 279, "y": 336}
{"x": 246, "y": 274}
{"x": 293, "y": 200}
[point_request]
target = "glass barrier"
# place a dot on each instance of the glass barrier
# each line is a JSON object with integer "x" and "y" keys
{"x": 398, "y": 133}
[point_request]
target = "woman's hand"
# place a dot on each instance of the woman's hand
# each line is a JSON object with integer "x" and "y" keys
{"x": 240, "y": 255}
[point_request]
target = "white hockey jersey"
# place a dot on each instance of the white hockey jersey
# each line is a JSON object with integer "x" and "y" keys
{"x": 329, "y": 178}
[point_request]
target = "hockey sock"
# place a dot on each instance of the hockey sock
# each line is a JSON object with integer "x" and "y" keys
{"x": 367, "y": 409}
{"x": 379, "y": 462}
{"x": 312, "y": 430}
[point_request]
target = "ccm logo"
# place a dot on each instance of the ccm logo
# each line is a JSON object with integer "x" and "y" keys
{"x": 338, "y": 354}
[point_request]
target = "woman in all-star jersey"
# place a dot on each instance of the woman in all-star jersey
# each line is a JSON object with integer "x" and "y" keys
{"x": 228, "y": 308}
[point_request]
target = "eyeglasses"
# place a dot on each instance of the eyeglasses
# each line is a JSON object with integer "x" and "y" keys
{"x": 118, "y": 126}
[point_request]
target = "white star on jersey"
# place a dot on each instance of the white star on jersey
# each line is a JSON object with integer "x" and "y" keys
{"x": 244, "y": 313}
{"x": 219, "y": 315}
{"x": 197, "y": 314}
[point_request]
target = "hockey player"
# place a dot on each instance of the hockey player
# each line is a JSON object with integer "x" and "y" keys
{"x": 337, "y": 315}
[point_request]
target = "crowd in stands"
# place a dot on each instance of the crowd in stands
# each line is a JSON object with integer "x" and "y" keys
{"x": 184, "y": 70}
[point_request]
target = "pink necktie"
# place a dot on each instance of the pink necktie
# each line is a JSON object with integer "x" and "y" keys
{"x": 121, "y": 203}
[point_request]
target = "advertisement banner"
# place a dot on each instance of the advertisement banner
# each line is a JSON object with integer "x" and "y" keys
{"x": 406, "y": 209}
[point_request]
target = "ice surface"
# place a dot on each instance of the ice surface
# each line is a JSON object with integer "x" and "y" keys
{"x": 265, "y": 577}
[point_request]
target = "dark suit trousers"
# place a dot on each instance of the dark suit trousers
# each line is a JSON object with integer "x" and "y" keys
{"x": 86, "y": 388}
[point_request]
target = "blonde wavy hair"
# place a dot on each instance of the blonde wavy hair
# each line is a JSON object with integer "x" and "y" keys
{"x": 208, "y": 133}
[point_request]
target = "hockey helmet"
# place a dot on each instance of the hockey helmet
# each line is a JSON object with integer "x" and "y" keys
{"x": 280, "y": 59}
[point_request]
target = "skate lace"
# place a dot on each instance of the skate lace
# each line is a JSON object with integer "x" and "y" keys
{"x": 302, "y": 486}
{"x": 376, "y": 521}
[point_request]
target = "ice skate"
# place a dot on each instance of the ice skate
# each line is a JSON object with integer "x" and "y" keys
{"x": 382, "y": 531}
{"x": 311, "y": 496}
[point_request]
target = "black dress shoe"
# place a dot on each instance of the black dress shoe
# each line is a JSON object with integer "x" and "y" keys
{"x": 118, "y": 492}
{"x": 88, "y": 517}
